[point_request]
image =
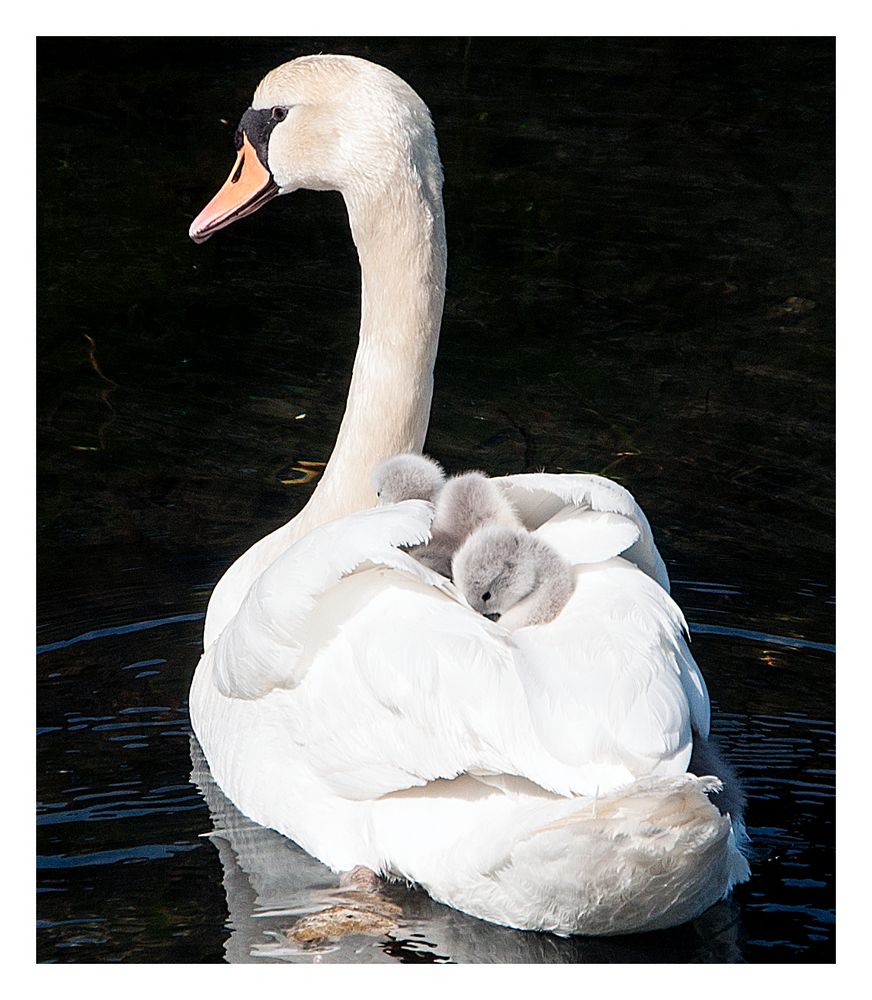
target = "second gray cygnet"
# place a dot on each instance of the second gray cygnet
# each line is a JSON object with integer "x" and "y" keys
{"x": 463, "y": 503}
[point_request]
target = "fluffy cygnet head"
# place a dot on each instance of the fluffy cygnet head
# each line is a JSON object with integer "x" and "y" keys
{"x": 471, "y": 501}
{"x": 512, "y": 576}
{"x": 407, "y": 477}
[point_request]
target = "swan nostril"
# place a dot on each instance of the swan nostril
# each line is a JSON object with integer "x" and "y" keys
{"x": 238, "y": 173}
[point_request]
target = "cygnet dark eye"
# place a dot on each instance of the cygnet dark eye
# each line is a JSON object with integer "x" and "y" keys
{"x": 486, "y": 596}
{"x": 279, "y": 114}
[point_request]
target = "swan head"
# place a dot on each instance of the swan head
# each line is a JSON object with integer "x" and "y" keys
{"x": 494, "y": 569}
{"x": 325, "y": 123}
{"x": 407, "y": 477}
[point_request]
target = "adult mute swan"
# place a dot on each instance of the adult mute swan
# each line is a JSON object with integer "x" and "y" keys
{"x": 349, "y": 698}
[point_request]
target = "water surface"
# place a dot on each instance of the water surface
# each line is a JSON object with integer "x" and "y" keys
{"x": 640, "y": 284}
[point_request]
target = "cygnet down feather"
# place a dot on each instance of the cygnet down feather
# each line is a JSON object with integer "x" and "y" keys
{"x": 512, "y": 577}
{"x": 407, "y": 477}
{"x": 466, "y": 503}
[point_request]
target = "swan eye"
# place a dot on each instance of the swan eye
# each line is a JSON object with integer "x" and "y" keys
{"x": 486, "y": 596}
{"x": 279, "y": 114}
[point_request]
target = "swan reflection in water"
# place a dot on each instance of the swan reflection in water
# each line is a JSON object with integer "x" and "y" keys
{"x": 272, "y": 886}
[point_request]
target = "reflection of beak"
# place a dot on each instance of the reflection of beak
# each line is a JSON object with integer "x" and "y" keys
{"x": 249, "y": 186}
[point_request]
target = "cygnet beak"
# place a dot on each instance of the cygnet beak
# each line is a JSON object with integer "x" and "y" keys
{"x": 494, "y": 616}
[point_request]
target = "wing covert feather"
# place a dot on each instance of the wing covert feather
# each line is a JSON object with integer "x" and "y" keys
{"x": 629, "y": 691}
{"x": 538, "y": 496}
{"x": 389, "y": 680}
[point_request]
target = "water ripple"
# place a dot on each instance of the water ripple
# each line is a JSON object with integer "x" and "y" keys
{"x": 104, "y": 633}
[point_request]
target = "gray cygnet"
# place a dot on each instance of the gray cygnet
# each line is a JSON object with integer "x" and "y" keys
{"x": 407, "y": 477}
{"x": 463, "y": 503}
{"x": 466, "y": 503}
{"x": 512, "y": 577}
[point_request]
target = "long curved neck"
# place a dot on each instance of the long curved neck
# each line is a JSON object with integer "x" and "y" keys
{"x": 400, "y": 237}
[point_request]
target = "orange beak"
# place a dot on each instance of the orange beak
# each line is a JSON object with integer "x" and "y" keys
{"x": 249, "y": 186}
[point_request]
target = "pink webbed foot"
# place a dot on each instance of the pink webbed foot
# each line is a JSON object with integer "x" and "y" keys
{"x": 360, "y": 877}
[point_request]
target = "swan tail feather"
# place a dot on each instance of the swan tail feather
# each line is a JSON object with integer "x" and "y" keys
{"x": 649, "y": 857}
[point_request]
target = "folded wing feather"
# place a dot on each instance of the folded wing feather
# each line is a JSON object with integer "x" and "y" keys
{"x": 389, "y": 680}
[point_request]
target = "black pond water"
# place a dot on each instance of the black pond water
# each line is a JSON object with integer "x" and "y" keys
{"x": 640, "y": 284}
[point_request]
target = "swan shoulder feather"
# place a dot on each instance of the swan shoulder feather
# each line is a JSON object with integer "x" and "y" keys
{"x": 261, "y": 646}
{"x": 612, "y": 677}
{"x": 538, "y": 496}
{"x": 584, "y": 536}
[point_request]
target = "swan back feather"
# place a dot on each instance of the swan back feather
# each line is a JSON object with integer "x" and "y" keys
{"x": 538, "y": 496}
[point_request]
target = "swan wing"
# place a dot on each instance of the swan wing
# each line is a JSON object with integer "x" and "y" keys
{"x": 262, "y": 646}
{"x": 419, "y": 687}
{"x": 401, "y": 684}
{"x": 385, "y": 679}
{"x": 588, "y": 536}
{"x": 375, "y": 665}
{"x": 624, "y": 690}
{"x": 539, "y": 496}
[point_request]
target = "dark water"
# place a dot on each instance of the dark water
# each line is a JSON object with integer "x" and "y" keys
{"x": 640, "y": 284}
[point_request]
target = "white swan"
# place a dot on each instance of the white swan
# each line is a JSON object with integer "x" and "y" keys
{"x": 350, "y": 699}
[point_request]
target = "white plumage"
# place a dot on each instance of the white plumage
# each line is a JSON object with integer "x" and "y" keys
{"x": 348, "y": 696}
